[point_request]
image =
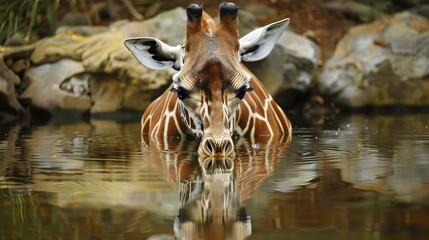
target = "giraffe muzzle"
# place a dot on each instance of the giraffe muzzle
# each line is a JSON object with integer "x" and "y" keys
{"x": 213, "y": 146}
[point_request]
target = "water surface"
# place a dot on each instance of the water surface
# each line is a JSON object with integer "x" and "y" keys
{"x": 358, "y": 177}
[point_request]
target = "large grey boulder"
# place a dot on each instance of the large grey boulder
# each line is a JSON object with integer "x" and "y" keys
{"x": 48, "y": 92}
{"x": 292, "y": 65}
{"x": 382, "y": 63}
{"x": 77, "y": 73}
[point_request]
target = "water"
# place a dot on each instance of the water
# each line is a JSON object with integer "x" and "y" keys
{"x": 357, "y": 177}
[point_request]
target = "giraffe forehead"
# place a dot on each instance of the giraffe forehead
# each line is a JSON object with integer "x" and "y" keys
{"x": 211, "y": 43}
{"x": 209, "y": 58}
{"x": 213, "y": 73}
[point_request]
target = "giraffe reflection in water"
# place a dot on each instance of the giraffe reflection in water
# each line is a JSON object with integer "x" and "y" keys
{"x": 213, "y": 189}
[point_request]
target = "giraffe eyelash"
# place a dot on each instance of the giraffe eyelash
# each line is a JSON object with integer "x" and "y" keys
{"x": 181, "y": 92}
{"x": 242, "y": 92}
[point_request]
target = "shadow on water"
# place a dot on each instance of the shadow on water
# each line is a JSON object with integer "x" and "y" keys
{"x": 357, "y": 177}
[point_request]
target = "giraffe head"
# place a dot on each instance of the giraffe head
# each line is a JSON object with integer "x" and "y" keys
{"x": 210, "y": 82}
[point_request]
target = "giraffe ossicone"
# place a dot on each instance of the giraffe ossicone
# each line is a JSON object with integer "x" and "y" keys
{"x": 213, "y": 95}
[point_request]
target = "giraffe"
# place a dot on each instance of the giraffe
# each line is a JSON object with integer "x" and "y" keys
{"x": 212, "y": 95}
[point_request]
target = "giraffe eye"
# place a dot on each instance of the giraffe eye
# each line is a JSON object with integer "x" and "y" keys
{"x": 242, "y": 92}
{"x": 181, "y": 93}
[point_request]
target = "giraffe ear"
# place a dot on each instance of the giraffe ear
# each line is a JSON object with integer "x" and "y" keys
{"x": 257, "y": 44}
{"x": 155, "y": 54}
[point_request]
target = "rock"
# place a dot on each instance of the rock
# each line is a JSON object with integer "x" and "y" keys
{"x": 168, "y": 27}
{"x": 111, "y": 94}
{"x": 17, "y": 60}
{"x": 55, "y": 48}
{"x": 81, "y": 30}
{"x": 247, "y": 22}
{"x": 83, "y": 60}
{"x": 9, "y": 102}
{"x": 353, "y": 9}
{"x": 291, "y": 66}
{"x": 44, "y": 90}
{"x": 102, "y": 66}
{"x": 382, "y": 63}
{"x": 17, "y": 52}
{"x": 105, "y": 50}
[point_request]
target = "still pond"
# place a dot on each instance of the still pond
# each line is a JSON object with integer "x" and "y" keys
{"x": 356, "y": 177}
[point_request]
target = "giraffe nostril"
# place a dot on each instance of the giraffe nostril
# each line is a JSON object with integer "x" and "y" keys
{"x": 228, "y": 147}
{"x": 209, "y": 147}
